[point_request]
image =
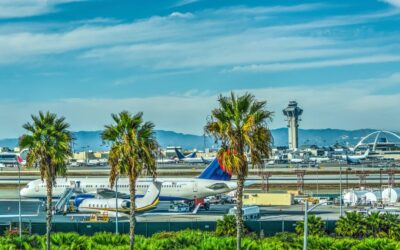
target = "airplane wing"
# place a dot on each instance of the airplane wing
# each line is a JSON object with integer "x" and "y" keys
{"x": 108, "y": 194}
{"x": 17, "y": 215}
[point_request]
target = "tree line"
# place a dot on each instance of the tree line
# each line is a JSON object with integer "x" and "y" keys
{"x": 239, "y": 124}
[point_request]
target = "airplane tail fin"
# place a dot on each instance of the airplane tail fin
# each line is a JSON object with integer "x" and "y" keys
{"x": 150, "y": 198}
{"x": 215, "y": 171}
{"x": 179, "y": 154}
{"x": 192, "y": 155}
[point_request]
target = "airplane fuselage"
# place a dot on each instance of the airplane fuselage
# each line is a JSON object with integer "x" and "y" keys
{"x": 171, "y": 189}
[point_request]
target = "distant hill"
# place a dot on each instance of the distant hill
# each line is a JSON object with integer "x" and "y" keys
{"x": 90, "y": 140}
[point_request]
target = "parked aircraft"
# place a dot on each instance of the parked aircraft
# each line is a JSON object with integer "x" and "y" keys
{"x": 319, "y": 159}
{"x": 355, "y": 159}
{"x": 296, "y": 160}
{"x": 110, "y": 205}
{"x": 191, "y": 159}
{"x": 166, "y": 161}
{"x": 212, "y": 181}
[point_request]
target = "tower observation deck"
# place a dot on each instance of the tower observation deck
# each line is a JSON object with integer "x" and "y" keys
{"x": 293, "y": 113}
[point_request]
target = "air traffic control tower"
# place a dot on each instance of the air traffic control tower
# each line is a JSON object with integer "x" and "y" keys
{"x": 293, "y": 113}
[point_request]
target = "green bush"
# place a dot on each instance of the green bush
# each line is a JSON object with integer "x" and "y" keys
{"x": 357, "y": 225}
{"x": 195, "y": 240}
{"x": 316, "y": 227}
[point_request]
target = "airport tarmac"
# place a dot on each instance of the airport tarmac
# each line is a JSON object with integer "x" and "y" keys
{"x": 160, "y": 213}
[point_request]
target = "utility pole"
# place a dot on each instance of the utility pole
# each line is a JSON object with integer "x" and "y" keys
{"x": 19, "y": 202}
{"x": 305, "y": 233}
{"x": 340, "y": 195}
{"x": 116, "y": 205}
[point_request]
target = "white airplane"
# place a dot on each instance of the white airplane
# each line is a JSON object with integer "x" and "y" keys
{"x": 212, "y": 181}
{"x": 296, "y": 160}
{"x": 319, "y": 159}
{"x": 190, "y": 158}
{"x": 166, "y": 161}
{"x": 109, "y": 206}
{"x": 355, "y": 159}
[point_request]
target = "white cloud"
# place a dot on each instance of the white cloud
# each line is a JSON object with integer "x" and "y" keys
{"x": 181, "y": 15}
{"x": 185, "y": 2}
{"x": 395, "y": 3}
{"x": 269, "y": 10}
{"x": 25, "y": 8}
{"x": 186, "y": 40}
{"x": 350, "y": 105}
{"x": 316, "y": 64}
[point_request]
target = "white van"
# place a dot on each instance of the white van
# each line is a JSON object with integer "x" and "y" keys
{"x": 249, "y": 212}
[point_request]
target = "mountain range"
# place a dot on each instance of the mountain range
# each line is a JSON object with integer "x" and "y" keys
{"x": 91, "y": 140}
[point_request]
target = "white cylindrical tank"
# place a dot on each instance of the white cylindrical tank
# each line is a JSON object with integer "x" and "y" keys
{"x": 372, "y": 197}
{"x": 353, "y": 197}
{"x": 391, "y": 195}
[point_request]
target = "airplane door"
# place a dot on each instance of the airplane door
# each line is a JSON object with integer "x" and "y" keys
{"x": 37, "y": 188}
{"x": 195, "y": 187}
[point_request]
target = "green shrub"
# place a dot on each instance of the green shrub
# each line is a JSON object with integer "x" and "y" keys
{"x": 316, "y": 227}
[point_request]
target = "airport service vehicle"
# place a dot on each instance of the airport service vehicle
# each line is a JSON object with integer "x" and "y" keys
{"x": 9, "y": 159}
{"x": 73, "y": 163}
{"x": 109, "y": 206}
{"x": 220, "y": 199}
{"x": 179, "y": 207}
{"x": 212, "y": 181}
{"x": 249, "y": 212}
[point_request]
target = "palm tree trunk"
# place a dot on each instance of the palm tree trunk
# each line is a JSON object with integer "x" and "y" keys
{"x": 239, "y": 212}
{"x": 49, "y": 211}
{"x": 132, "y": 189}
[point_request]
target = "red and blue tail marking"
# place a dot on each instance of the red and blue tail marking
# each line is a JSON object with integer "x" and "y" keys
{"x": 215, "y": 171}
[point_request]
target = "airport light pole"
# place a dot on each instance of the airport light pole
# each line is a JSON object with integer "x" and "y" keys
{"x": 305, "y": 233}
{"x": 340, "y": 195}
{"x": 116, "y": 206}
{"x": 306, "y": 211}
{"x": 19, "y": 202}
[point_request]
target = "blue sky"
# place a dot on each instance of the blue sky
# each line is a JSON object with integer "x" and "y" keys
{"x": 86, "y": 59}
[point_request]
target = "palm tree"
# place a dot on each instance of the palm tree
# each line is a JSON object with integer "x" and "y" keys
{"x": 373, "y": 222}
{"x": 134, "y": 149}
{"x": 240, "y": 125}
{"x": 316, "y": 227}
{"x": 49, "y": 143}
{"x": 352, "y": 225}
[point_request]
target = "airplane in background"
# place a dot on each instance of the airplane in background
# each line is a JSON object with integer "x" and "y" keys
{"x": 191, "y": 158}
{"x": 319, "y": 159}
{"x": 355, "y": 159}
{"x": 296, "y": 160}
{"x": 212, "y": 181}
{"x": 166, "y": 161}
{"x": 109, "y": 205}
